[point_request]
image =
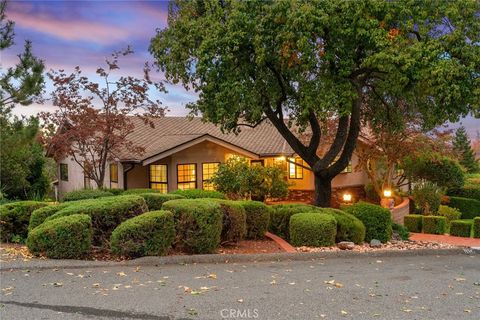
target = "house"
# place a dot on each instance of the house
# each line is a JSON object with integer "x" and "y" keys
{"x": 184, "y": 153}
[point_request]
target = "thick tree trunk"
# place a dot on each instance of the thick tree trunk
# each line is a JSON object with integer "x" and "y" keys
{"x": 323, "y": 191}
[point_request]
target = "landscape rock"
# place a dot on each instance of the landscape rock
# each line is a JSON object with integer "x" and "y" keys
{"x": 346, "y": 245}
{"x": 375, "y": 243}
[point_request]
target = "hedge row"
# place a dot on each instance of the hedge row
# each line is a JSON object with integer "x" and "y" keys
{"x": 413, "y": 222}
{"x": 470, "y": 208}
{"x": 470, "y": 191}
{"x": 155, "y": 200}
{"x": 377, "y": 220}
{"x": 86, "y": 194}
{"x": 312, "y": 229}
{"x": 14, "y": 219}
{"x": 280, "y": 217}
{"x": 200, "y": 194}
{"x": 461, "y": 228}
{"x": 434, "y": 224}
{"x": 258, "y": 218}
{"x": 476, "y": 227}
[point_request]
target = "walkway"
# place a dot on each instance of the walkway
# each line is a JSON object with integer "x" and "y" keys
{"x": 456, "y": 241}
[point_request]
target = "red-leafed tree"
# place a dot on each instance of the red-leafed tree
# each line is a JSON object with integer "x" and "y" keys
{"x": 94, "y": 119}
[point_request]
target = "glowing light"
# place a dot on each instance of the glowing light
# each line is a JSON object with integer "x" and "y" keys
{"x": 347, "y": 197}
{"x": 282, "y": 158}
{"x": 387, "y": 193}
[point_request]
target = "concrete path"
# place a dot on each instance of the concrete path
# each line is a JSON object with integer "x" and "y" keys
{"x": 390, "y": 287}
{"x": 456, "y": 241}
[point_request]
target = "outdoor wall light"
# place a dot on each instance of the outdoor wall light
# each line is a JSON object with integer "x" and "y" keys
{"x": 387, "y": 193}
{"x": 347, "y": 197}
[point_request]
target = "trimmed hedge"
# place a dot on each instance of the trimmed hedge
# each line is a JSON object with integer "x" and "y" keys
{"x": 116, "y": 191}
{"x": 280, "y": 217}
{"x": 63, "y": 238}
{"x": 39, "y": 215}
{"x": 470, "y": 208}
{"x": 198, "y": 224}
{"x": 434, "y": 224}
{"x": 413, "y": 222}
{"x": 312, "y": 229}
{"x": 106, "y": 213}
{"x": 471, "y": 192}
{"x": 234, "y": 221}
{"x": 140, "y": 191}
{"x": 349, "y": 228}
{"x": 86, "y": 194}
{"x": 476, "y": 227}
{"x": 461, "y": 228}
{"x": 258, "y": 217}
{"x": 200, "y": 194}
{"x": 149, "y": 234}
{"x": 14, "y": 219}
{"x": 377, "y": 220}
{"x": 155, "y": 200}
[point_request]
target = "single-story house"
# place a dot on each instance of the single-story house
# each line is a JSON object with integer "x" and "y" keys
{"x": 184, "y": 153}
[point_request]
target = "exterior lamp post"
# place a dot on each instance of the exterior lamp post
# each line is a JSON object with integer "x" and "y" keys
{"x": 347, "y": 198}
{"x": 387, "y": 200}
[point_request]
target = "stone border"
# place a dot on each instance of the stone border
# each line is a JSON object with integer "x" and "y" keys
{"x": 36, "y": 264}
{"x": 287, "y": 247}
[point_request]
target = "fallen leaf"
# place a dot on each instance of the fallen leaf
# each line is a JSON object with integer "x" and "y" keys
{"x": 57, "y": 284}
{"x": 240, "y": 300}
{"x": 121, "y": 274}
{"x": 212, "y": 276}
{"x": 344, "y": 312}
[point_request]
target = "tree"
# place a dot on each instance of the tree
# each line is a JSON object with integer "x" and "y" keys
{"x": 464, "y": 151}
{"x": 94, "y": 119}
{"x": 297, "y": 63}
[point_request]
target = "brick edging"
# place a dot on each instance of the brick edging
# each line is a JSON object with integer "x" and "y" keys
{"x": 287, "y": 247}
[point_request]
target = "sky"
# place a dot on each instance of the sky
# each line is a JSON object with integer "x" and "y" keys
{"x": 66, "y": 34}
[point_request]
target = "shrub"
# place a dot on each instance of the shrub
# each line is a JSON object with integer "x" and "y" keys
{"x": 476, "y": 227}
{"x": 140, "y": 191}
{"x": 413, "y": 222}
{"x": 86, "y": 194}
{"x": 461, "y": 228}
{"x": 198, "y": 224}
{"x": 427, "y": 197}
{"x": 349, "y": 228}
{"x": 14, "y": 219}
{"x": 106, "y": 213}
{"x": 39, "y": 215}
{"x": 312, "y": 229}
{"x": 199, "y": 194}
{"x": 470, "y": 208}
{"x": 155, "y": 200}
{"x": 371, "y": 194}
{"x": 449, "y": 213}
{"x": 434, "y": 224}
{"x": 401, "y": 231}
{"x": 234, "y": 221}
{"x": 469, "y": 191}
{"x": 258, "y": 217}
{"x": 116, "y": 191}
{"x": 149, "y": 234}
{"x": 377, "y": 220}
{"x": 62, "y": 238}
{"x": 280, "y": 217}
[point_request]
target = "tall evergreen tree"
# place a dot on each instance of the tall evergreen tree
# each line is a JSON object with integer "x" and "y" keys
{"x": 463, "y": 148}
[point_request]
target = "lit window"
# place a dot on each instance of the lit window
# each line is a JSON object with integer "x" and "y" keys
{"x": 295, "y": 171}
{"x": 208, "y": 170}
{"x": 64, "y": 171}
{"x": 158, "y": 177}
{"x": 187, "y": 176}
{"x": 113, "y": 175}
{"x": 254, "y": 163}
{"x": 348, "y": 168}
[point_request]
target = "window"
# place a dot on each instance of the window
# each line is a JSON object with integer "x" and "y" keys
{"x": 256, "y": 163}
{"x": 295, "y": 171}
{"x": 208, "y": 170}
{"x": 158, "y": 177}
{"x": 64, "y": 171}
{"x": 348, "y": 168}
{"x": 113, "y": 175}
{"x": 187, "y": 176}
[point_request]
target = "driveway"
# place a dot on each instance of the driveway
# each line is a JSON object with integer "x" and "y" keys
{"x": 422, "y": 287}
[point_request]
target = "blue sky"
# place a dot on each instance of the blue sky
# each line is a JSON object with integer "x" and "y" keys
{"x": 70, "y": 33}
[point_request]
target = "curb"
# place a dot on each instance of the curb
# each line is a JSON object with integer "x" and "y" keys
{"x": 226, "y": 258}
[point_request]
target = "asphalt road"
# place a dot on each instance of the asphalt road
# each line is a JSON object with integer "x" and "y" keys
{"x": 424, "y": 287}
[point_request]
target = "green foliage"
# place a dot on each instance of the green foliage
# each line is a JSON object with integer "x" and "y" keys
{"x": 280, "y": 217}
{"x": 140, "y": 190}
{"x": 349, "y": 228}
{"x": 470, "y": 191}
{"x": 413, "y": 222}
{"x": 371, "y": 194}
{"x": 427, "y": 197}
{"x": 258, "y": 217}
{"x": 434, "y": 224}
{"x": 470, "y": 208}
{"x": 115, "y": 191}
{"x": 14, "y": 219}
{"x": 149, "y": 234}
{"x": 461, "y": 228}
{"x": 449, "y": 213}
{"x": 377, "y": 220}
{"x": 401, "y": 231}
{"x": 476, "y": 227}
{"x": 462, "y": 146}
{"x": 312, "y": 229}
{"x": 198, "y": 224}
{"x": 199, "y": 194}
{"x": 86, "y": 194}
{"x": 106, "y": 213}
{"x": 63, "y": 238}
{"x": 39, "y": 215}
{"x": 155, "y": 200}
{"x": 234, "y": 222}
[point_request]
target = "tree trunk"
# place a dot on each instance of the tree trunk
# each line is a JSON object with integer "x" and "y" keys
{"x": 323, "y": 191}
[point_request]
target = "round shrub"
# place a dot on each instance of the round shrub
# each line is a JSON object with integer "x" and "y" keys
{"x": 461, "y": 228}
{"x": 434, "y": 224}
{"x": 63, "y": 238}
{"x": 200, "y": 194}
{"x": 14, "y": 219}
{"x": 349, "y": 228}
{"x": 312, "y": 229}
{"x": 449, "y": 213}
{"x": 198, "y": 224}
{"x": 280, "y": 217}
{"x": 413, "y": 222}
{"x": 140, "y": 191}
{"x": 258, "y": 217}
{"x": 155, "y": 200}
{"x": 377, "y": 220}
{"x": 39, "y": 215}
{"x": 234, "y": 221}
{"x": 106, "y": 213}
{"x": 476, "y": 227}
{"x": 149, "y": 234}
{"x": 470, "y": 208}
{"x": 86, "y": 194}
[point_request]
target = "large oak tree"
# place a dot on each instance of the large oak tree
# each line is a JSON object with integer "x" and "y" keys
{"x": 297, "y": 63}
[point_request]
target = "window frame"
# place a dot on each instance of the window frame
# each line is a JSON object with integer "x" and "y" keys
{"x": 61, "y": 176}
{"x": 195, "y": 177}
{"x": 110, "y": 174}
{"x": 297, "y": 176}
{"x": 203, "y": 174}
{"x": 150, "y": 182}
